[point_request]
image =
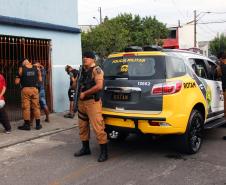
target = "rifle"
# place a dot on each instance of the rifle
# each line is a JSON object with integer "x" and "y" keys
{"x": 77, "y": 89}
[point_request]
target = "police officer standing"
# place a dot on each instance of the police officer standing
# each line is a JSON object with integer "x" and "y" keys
{"x": 29, "y": 76}
{"x": 221, "y": 71}
{"x": 90, "y": 107}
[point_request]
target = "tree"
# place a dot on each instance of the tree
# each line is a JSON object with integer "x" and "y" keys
{"x": 115, "y": 34}
{"x": 218, "y": 44}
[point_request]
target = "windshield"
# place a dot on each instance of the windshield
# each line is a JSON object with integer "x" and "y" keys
{"x": 135, "y": 67}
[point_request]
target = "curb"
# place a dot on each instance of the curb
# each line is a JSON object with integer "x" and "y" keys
{"x": 39, "y": 136}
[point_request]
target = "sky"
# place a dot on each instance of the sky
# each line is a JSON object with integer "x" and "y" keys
{"x": 166, "y": 11}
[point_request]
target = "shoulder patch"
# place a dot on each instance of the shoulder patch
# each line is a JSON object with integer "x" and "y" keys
{"x": 98, "y": 70}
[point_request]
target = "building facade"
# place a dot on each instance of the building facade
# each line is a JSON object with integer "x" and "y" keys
{"x": 180, "y": 37}
{"x": 44, "y": 30}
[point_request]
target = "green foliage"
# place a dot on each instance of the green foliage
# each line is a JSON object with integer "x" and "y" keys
{"x": 124, "y": 30}
{"x": 218, "y": 44}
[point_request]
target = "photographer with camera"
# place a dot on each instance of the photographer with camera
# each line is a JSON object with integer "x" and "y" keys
{"x": 71, "y": 91}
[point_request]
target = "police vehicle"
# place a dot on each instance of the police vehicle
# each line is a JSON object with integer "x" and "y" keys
{"x": 162, "y": 92}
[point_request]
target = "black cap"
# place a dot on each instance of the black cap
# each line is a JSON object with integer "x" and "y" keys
{"x": 89, "y": 54}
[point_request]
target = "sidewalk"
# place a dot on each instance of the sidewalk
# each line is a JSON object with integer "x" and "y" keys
{"x": 57, "y": 124}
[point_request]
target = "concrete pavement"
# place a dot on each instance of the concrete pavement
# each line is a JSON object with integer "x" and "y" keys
{"x": 57, "y": 124}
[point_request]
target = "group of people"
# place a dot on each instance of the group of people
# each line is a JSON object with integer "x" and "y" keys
{"x": 89, "y": 106}
{"x": 31, "y": 79}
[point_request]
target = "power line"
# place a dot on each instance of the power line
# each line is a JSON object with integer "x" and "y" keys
{"x": 180, "y": 12}
{"x": 207, "y": 31}
{"x": 216, "y": 12}
{"x": 207, "y": 26}
{"x": 213, "y": 22}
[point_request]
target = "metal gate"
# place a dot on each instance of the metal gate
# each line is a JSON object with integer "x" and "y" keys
{"x": 12, "y": 49}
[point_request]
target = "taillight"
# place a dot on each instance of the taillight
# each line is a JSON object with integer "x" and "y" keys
{"x": 166, "y": 88}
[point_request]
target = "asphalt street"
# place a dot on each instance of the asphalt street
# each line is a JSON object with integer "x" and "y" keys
{"x": 49, "y": 160}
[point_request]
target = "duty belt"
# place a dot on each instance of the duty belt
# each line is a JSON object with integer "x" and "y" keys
{"x": 91, "y": 97}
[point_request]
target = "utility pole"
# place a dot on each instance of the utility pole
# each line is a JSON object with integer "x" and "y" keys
{"x": 195, "y": 33}
{"x": 99, "y": 9}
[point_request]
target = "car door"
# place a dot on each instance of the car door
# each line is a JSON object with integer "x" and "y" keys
{"x": 205, "y": 71}
{"x": 217, "y": 92}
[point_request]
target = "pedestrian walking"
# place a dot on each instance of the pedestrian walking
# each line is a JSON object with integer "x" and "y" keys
{"x": 41, "y": 88}
{"x": 4, "y": 120}
{"x": 221, "y": 72}
{"x": 29, "y": 76}
{"x": 71, "y": 91}
{"x": 90, "y": 107}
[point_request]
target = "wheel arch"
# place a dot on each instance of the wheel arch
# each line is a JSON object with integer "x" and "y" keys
{"x": 201, "y": 108}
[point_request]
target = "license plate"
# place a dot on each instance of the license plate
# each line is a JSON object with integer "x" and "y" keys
{"x": 121, "y": 97}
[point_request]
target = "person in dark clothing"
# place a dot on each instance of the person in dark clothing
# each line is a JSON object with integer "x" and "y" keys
{"x": 221, "y": 72}
{"x": 42, "y": 94}
{"x": 29, "y": 76}
{"x": 71, "y": 91}
{"x": 3, "y": 115}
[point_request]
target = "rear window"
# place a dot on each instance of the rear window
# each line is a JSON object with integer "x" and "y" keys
{"x": 135, "y": 67}
{"x": 175, "y": 67}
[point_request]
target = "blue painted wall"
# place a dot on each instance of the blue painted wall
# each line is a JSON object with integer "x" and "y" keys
{"x": 62, "y": 12}
{"x": 66, "y": 47}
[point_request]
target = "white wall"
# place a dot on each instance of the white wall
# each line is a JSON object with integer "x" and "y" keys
{"x": 186, "y": 36}
{"x": 61, "y": 12}
{"x": 205, "y": 50}
{"x": 66, "y": 49}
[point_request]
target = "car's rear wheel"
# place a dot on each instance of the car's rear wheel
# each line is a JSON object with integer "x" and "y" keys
{"x": 191, "y": 141}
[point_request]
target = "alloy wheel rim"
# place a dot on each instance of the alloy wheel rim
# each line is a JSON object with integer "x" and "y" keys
{"x": 196, "y": 133}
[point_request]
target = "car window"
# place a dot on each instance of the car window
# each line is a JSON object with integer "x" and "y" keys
{"x": 213, "y": 71}
{"x": 199, "y": 67}
{"x": 175, "y": 67}
{"x": 135, "y": 67}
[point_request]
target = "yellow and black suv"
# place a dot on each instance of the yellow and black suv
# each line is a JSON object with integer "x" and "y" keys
{"x": 162, "y": 92}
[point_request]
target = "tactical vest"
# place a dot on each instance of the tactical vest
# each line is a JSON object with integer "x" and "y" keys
{"x": 87, "y": 82}
{"x": 29, "y": 77}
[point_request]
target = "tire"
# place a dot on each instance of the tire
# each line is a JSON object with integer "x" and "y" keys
{"x": 117, "y": 136}
{"x": 192, "y": 140}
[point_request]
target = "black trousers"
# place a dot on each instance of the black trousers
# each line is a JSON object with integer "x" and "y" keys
{"x": 4, "y": 120}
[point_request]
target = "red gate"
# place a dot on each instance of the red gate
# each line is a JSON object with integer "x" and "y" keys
{"x": 12, "y": 49}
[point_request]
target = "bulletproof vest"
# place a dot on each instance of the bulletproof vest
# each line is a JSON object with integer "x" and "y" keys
{"x": 29, "y": 77}
{"x": 87, "y": 82}
{"x": 223, "y": 77}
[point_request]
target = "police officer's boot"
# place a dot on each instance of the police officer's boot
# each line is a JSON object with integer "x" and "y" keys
{"x": 25, "y": 126}
{"x": 38, "y": 125}
{"x": 85, "y": 150}
{"x": 103, "y": 153}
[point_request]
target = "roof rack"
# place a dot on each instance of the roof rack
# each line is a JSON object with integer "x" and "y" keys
{"x": 152, "y": 48}
{"x": 145, "y": 48}
{"x": 133, "y": 48}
